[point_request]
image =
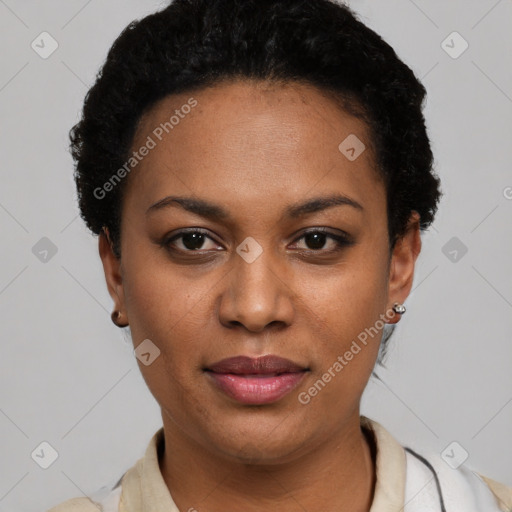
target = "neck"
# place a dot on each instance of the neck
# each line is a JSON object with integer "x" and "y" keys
{"x": 336, "y": 475}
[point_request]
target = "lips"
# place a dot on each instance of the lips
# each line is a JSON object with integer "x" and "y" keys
{"x": 256, "y": 381}
{"x": 265, "y": 365}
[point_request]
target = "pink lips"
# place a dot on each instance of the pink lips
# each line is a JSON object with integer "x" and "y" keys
{"x": 256, "y": 381}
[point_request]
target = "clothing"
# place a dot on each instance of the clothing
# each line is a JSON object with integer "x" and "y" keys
{"x": 406, "y": 482}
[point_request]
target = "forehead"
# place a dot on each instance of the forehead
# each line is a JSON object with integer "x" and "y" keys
{"x": 251, "y": 140}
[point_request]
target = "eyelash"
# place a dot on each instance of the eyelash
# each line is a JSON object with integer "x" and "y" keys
{"x": 342, "y": 241}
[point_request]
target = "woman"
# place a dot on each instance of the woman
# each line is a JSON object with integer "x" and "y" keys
{"x": 259, "y": 173}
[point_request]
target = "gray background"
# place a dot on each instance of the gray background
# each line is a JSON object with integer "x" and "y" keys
{"x": 68, "y": 374}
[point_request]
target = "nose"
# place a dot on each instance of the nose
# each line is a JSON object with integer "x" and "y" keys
{"x": 258, "y": 295}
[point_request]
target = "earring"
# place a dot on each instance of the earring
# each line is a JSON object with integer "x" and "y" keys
{"x": 399, "y": 308}
{"x": 115, "y": 316}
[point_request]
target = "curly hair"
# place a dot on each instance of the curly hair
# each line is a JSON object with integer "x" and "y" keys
{"x": 194, "y": 44}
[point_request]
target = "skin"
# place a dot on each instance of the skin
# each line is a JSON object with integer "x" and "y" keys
{"x": 274, "y": 145}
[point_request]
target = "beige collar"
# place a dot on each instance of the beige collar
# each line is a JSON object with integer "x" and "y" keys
{"x": 144, "y": 489}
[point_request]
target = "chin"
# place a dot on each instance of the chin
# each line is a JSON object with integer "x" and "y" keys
{"x": 260, "y": 442}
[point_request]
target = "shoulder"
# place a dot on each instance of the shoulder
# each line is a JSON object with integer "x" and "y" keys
{"x": 431, "y": 479}
{"x": 114, "y": 496}
{"x": 76, "y": 505}
{"x": 502, "y": 493}
{"x": 105, "y": 499}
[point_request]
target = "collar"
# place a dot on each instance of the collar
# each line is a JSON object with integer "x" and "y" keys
{"x": 144, "y": 489}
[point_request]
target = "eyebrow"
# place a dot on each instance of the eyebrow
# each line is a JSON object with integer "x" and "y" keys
{"x": 216, "y": 212}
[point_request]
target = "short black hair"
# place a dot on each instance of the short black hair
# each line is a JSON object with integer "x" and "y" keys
{"x": 194, "y": 44}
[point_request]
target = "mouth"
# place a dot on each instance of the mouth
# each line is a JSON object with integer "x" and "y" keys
{"x": 263, "y": 380}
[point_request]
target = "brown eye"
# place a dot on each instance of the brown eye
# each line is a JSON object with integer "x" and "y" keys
{"x": 191, "y": 241}
{"x": 316, "y": 241}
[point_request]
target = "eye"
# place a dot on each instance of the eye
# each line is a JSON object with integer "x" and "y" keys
{"x": 195, "y": 239}
{"x": 192, "y": 240}
{"x": 316, "y": 239}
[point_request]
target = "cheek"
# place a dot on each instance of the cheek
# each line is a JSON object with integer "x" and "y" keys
{"x": 158, "y": 298}
{"x": 172, "y": 307}
{"x": 167, "y": 310}
{"x": 355, "y": 292}
{"x": 347, "y": 309}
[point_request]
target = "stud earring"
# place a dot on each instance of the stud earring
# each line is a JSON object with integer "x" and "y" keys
{"x": 115, "y": 316}
{"x": 399, "y": 308}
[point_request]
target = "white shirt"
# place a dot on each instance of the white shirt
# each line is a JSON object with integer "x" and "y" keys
{"x": 406, "y": 482}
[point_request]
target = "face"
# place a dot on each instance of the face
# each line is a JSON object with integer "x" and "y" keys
{"x": 264, "y": 268}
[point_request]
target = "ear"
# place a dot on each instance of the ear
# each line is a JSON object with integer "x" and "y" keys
{"x": 112, "y": 269}
{"x": 403, "y": 259}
